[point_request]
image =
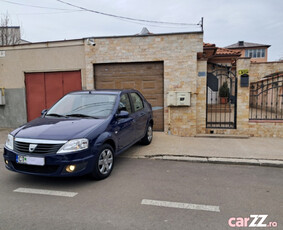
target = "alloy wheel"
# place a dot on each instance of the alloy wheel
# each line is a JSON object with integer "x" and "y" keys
{"x": 105, "y": 161}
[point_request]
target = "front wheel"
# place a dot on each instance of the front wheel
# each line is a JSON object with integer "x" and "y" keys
{"x": 146, "y": 140}
{"x": 104, "y": 163}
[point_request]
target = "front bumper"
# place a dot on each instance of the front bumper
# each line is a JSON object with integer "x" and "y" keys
{"x": 55, "y": 164}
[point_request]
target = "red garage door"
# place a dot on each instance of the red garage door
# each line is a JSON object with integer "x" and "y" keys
{"x": 44, "y": 89}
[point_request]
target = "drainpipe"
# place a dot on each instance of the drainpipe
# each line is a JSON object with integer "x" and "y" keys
{"x": 169, "y": 121}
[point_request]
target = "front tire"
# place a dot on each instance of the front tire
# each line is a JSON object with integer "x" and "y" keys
{"x": 104, "y": 163}
{"x": 146, "y": 140}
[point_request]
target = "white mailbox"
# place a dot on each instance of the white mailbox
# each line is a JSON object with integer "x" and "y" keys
{"x": 183, "y": 99}
{"x": 2, "y": 96}
{"x": 175, "y": 98}
{"x": 172, "y": 98}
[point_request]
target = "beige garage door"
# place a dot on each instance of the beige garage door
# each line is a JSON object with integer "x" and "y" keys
{"x": 145, "y": 77}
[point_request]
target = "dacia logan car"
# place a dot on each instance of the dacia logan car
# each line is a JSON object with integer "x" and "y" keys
{"x": 81, "y": 134}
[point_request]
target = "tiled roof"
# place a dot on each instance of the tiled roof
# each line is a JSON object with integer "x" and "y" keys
{"x": 227, "y": 52}
{"x": 242, "y": 44}
{"x": 208, "y": 45}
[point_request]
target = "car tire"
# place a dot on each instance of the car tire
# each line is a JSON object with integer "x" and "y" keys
{"x": 104, "y": 163}
{"x": 146, "y": 140}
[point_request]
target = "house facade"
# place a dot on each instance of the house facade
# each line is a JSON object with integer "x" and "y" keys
{"x": 166, "y": 68}
{"x": 257, "y": 52}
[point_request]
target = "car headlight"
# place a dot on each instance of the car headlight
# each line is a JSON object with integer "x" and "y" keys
{"x": 74, "y": 145}
{"x": 10, "y": 142}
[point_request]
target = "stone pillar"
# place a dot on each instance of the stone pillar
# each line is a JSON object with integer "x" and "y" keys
{"x": 243, "y": 97}
{"x": 201, "y": 96}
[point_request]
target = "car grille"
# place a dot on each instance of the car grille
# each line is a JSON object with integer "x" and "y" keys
{"x": 35, "y": 169}
{"x": 23, "y": 147}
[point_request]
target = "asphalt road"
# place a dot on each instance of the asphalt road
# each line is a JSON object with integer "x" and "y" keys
{"x": 116, "y": 203}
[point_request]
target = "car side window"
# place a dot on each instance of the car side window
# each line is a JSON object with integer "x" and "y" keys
{"x": 137, "y": 102}
{"x": 125, "y": 103}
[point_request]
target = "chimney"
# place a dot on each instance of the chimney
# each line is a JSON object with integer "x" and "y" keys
{"x": 241, "y": 43}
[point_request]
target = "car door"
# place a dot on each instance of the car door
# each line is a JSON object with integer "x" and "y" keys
{"x": 125, "y": 127}
{"x": 139, "y": 115}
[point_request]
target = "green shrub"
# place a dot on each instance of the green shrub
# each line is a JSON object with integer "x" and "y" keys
{"x": 224, "y": 90}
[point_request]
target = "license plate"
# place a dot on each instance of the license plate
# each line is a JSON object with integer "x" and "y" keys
{"x": 30, "y": 160}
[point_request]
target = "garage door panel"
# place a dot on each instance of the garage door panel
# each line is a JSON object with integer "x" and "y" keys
{"x": 106, "y": 85}
{"x": 53, "y": 87}
{"x": 71, "y": 81}
{"x": 34, "y": 90}
{"x": 145, "y": 77}
{"x": 158, "y": 120}
{"x": 45, "y": 89}
{"x": 128, "y": 84}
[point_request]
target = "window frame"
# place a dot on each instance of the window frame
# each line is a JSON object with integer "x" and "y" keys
{"x": 131, "y": 106}
{"x": 253, "y": 53}
{"x": 132, "y": 101}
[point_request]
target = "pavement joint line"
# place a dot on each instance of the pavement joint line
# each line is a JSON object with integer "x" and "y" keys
{"x": 190, "y": 206}
{"x": 45, "y": 192}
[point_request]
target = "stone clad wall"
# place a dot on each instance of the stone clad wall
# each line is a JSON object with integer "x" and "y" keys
{"x": 179, "y": 55}
{"x": 201, "y": 96}
{"x": 259, "y": 70}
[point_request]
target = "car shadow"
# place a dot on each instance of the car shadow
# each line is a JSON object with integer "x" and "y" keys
{"x": 63, "y": 183}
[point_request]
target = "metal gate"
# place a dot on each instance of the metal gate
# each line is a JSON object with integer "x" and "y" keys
{"x": 221, "y": 97}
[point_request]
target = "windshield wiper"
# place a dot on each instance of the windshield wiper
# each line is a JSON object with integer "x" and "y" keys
{"x": 55, "y": 115}
{"x": 80, "y": 115}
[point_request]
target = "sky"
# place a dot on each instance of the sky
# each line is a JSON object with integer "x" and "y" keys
{"x": 225, "y": 22}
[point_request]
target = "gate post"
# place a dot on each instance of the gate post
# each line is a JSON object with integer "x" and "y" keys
{"x": 243, "y": 99}
{"x": 201, "y": 97}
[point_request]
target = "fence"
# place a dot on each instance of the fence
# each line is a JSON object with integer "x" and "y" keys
{"x": 266, "y": 98}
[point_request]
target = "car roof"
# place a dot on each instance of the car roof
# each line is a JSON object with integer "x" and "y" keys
{"x": 104, "y": 91}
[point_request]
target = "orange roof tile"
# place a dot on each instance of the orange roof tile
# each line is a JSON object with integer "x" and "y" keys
{"x": 228, "y": 52}
{"x": 208, "y": 45}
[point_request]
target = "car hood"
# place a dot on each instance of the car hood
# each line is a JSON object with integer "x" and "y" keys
{"x": 58, "y": 128}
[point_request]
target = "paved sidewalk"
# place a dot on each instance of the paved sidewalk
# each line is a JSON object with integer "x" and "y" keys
{"x": 252, "y": 151}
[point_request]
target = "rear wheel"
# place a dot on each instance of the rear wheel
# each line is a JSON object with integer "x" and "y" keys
{"x": 104, "y": 163}
{"x": 146, "y": 140}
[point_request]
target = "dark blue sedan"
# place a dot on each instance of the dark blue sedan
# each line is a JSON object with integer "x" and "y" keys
{"x": 81, "y": 134}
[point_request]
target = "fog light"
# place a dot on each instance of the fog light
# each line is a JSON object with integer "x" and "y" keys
{"x": 70, "y": 168}
{"x": 6, "y": 162}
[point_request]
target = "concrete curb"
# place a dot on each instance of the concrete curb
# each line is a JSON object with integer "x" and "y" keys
{"x": 222, "y": 136}
{"x": 214, "y": 160}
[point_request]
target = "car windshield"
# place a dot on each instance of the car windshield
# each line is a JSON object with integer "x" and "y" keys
{"x": 84, "y": 105}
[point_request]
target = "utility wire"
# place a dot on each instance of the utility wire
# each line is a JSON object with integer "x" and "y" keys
{"x": 60, "y": 12}
{"x": 126, "y": 18}
{"x": 42, "y": 7}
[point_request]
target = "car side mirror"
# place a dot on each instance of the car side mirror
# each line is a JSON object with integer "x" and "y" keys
{"x": 43, "y": 112}
{"x": 122, "y": 107}
{"x": 122, "y": 114}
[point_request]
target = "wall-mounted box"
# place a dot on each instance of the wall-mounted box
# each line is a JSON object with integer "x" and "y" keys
{"x": 175, "y": 98}
{"x": 171, "y": 98}
{"x": 183, "y": 99}
{"x": 245, "y": 80}
{"x": 2, "y": 96}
